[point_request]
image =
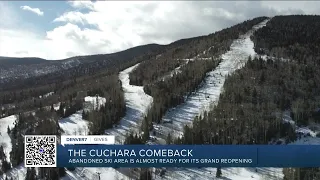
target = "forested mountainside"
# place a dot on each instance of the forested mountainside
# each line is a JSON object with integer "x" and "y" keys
{"x": 212, "y": 45}
{"x": 22, "y": 75}
{"x": 6, "y": 62}
{"x": 170, "y": 92}
{"x": 249, "y": 110}
{"x": 253, "y": 98}
{"x": 25, "y": 94}
{"x": 295, "y": 37}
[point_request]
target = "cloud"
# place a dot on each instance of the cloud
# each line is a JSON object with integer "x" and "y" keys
{"x": 34, "y": 10}
{"x": 121, "y": 25}
{"x": 110, "y": 26}
{"x": 73, "y": 16}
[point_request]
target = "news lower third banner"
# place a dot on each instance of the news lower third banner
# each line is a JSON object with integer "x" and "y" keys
{"x": 188, "y": 156}
{"x": 101, "y": 151}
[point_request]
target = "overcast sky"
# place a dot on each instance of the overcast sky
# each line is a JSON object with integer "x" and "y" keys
{"x": 60, "y": 29}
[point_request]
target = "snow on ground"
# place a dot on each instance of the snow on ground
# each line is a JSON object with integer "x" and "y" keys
{"x": 93, "y": 174}
{"x": 56, "y": 106}
{"x": 212, "y": 86}
{"x": 306, "y": 131}
{"x": 178, "y": 69}
{"x": 309, "y": 140}
{"x": 176, "y": 118}
{"x": 5, "y": 140}
{"x": 74, "y": 124}
{"x": 173, "y": 72}
{"x": 310, "y": 130}
{"x": 92, "y": 100}
{"x": 137, "y": 105}
{"x": 286, "y": 117}
{"x": 46, "y": 95}
{"x": 265, "y": 57}
{"x": 17, "y": 173}
{"x": 227, "y": 174}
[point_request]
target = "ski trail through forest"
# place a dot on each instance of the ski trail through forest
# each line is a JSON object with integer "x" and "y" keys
{"x": 137, "y": 104}
{"x": 211, "y": 87}
{"x": 201, "y": 100}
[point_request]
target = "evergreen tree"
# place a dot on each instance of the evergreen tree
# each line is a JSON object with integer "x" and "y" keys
{"x": 169, "y": 139}
{"x": 61, "y": 110}
{"x": 146, "y": 132}
{"x": 2, "y": 154}
{"x": 262, "y": 78}
{"x": 31, "y": 174}
{"x": 6, "y": 166}
{"x": 145, "y": 174}
{"x": 84, "y": 115}
{"x": 40, "y": 106}
{"x": 52, "y": 108}
{"x": 218, "y": 173}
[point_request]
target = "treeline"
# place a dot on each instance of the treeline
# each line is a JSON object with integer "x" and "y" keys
{"x": 301, "y": 173}
{"x": 213, "y": 44}
{"x": 172, "y": 91}
{"x": 295, "y": 37}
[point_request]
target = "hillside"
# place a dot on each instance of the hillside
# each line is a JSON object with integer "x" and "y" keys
{"x": 13, "y": 61}
{"x": 18, "y": 73}
{"x": 253, "y": 83}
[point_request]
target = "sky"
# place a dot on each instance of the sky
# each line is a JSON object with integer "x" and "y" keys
{"x": 61, "y": 29}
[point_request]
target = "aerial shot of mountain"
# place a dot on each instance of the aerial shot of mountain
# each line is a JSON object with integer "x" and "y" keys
{"x": 159, "y": 73}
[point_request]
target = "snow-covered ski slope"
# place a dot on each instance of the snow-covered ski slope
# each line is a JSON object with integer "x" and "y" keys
{"x": 5, "y": 140}
{"x": 200, "y": 101}
{"x": 211, "y": 87}
{"x": 137, "y": 105}
{"x": 18, "y": 172}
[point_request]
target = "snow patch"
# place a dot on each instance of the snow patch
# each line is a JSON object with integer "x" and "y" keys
{"x": 95, "y": 101}
{"x": 306, "y": 141}
{"x": 74, "y": 124}
{"x": 94, "y": 173}
{"x": 47, "y": 95}
{"x": 5, "y": 139}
